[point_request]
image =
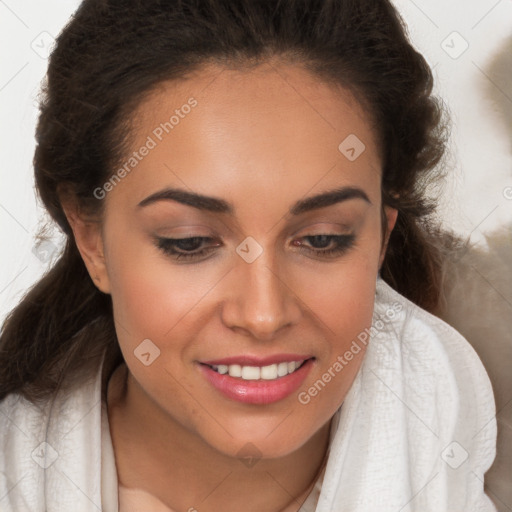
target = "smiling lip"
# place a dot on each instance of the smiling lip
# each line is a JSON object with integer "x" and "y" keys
{"x": 257, "y": 392}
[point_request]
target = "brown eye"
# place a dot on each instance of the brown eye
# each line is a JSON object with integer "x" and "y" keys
{"x": 319, "y": 244}
{"x": 185, "y": 248}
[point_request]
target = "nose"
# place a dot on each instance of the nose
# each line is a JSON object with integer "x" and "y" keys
{"x": 260, "y": 301}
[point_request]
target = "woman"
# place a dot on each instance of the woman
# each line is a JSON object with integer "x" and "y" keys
{"x": 242, "y": 315}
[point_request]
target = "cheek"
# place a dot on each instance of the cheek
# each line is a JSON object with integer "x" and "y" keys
{"x": 342, "y": 294}
{"x": 342, "y": 298}
{"x": 344, "y": 307}
{"x": 155, "y": 299}
{"x": 147, "y": 298}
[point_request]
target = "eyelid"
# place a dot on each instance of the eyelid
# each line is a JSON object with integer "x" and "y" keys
{"x": 188, "y": 231}
{"x": 323, "y": 229}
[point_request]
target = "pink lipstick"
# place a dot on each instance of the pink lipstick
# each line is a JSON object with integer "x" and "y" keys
{"x": 257, "y": 380}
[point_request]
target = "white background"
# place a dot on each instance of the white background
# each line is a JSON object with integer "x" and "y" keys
{"x": 476, "y": 85}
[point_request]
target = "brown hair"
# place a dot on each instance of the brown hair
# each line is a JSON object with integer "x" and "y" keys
{"x": 113, "y": 52}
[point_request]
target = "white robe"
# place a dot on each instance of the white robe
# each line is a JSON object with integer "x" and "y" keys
{"x": 416, "y": 431}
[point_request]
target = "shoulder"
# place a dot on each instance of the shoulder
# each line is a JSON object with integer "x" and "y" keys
{"x": 45, "y": 446}
{"x": 431, "y": 347}
{"x": 23, "y": 452}
{"x": 445, "y": 390}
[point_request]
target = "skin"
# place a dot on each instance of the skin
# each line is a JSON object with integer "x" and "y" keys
{"x": 260, "y": 139}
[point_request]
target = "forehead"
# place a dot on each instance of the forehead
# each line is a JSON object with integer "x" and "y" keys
{"x": 270, "y": 127}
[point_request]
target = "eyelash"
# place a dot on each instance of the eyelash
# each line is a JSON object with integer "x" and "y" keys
{"x": 168, "y": 246}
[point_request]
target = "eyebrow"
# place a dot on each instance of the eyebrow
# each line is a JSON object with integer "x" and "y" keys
{"x": 216, "y": 205}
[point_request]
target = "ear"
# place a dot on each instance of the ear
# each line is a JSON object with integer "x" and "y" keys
{"x": 391, "y": 215}
{"x": 88, "y": 238}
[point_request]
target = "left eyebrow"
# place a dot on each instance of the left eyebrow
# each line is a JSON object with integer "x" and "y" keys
{"x": 216, "y": 205}
{"x": 328, "y": 198}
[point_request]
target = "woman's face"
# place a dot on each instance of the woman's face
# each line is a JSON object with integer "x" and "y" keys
{"x": 210, "y": 327}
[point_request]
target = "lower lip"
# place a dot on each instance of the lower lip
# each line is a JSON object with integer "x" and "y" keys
{"x": 257, "y": 391}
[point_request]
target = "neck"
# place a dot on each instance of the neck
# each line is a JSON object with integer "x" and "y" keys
{"x": 160, "y": 456}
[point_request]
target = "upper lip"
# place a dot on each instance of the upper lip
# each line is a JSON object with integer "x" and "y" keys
{"x": 248, "y": 360}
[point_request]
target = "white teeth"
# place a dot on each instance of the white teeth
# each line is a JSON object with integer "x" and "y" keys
{"x": 270, "y": 372}
{"x": 250, "y": 372}
{"x": 235, "y": 370}
{"x": 282, "y": 369}
{"x": 222, "y": 369}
